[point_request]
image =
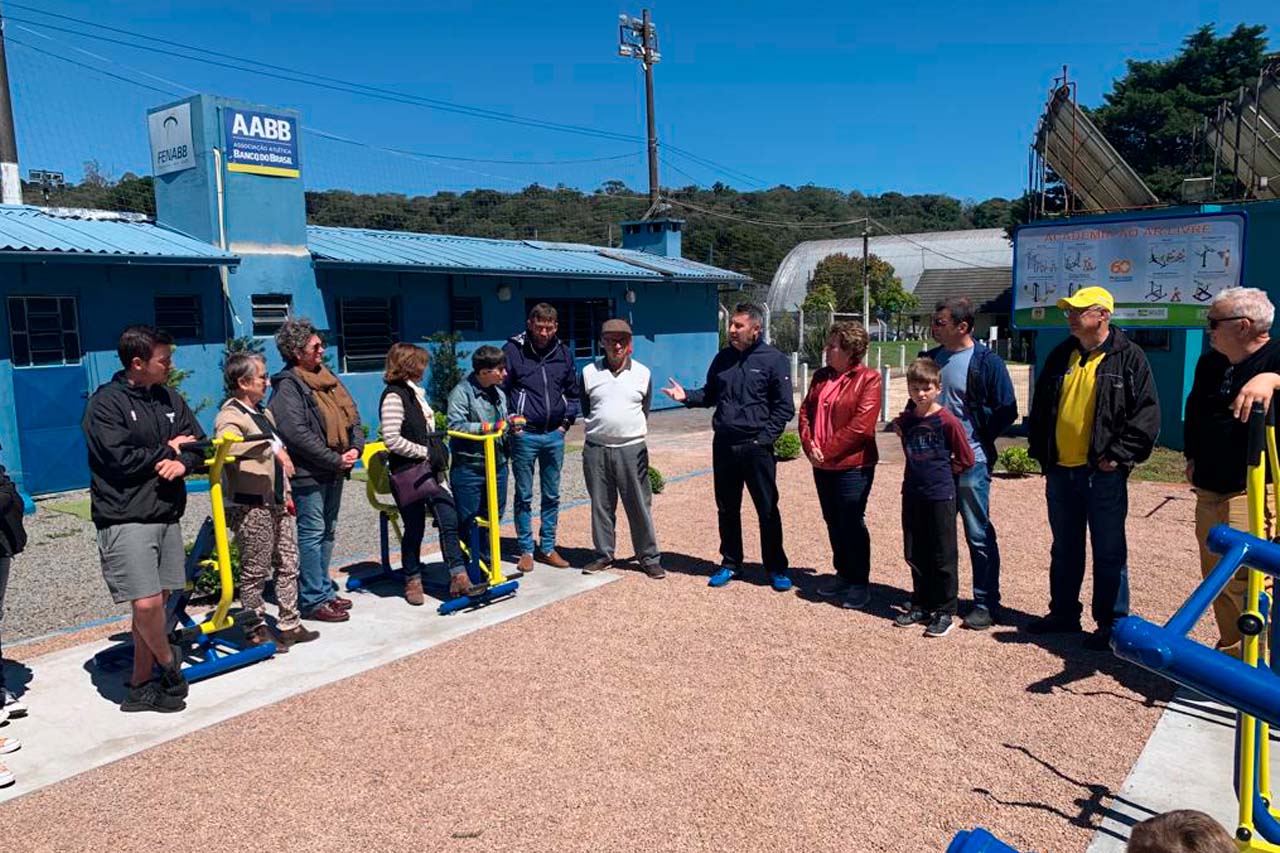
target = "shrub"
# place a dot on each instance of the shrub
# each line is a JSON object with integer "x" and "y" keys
{"x": 207, "y": 582}
{"x": 446, "y": 370}
{"x": 656, "y": 481}
{"x": 1017, "y": 461}
{"x": 442, "y": 421}
{"x": 787, "y": 446}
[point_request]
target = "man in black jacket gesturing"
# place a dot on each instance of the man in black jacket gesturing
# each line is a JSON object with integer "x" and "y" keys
{"x": 749, "y": 384}
{"x": 1094, "y": 416}
{"x": 135, "y": 428}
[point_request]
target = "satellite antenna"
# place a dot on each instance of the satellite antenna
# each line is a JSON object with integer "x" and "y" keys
{"x": 1068, "y": 142}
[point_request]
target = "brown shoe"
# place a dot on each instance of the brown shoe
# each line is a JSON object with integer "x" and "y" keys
{"x": 327, "y": 612}
{"x": 340, "y": 602}
{"x": 655, "y": 571}
{"x": 525, "y": 565}
{"x": 285, "y": 639}
{"x": 553, "y": 559}
{"x": 413, "y": 591}
{"x": 599, "y": 564}
{"x": 460, "y": 585}
{"x": 258, "y": 635}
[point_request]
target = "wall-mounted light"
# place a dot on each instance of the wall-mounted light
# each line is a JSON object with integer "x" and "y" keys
{"x": 630, "y": 297}
{"x": 504, "y": 293}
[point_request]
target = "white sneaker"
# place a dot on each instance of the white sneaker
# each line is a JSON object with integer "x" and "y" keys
{"x": 9, "y": 744}
{"x": 12, "y": 704}
{"x": 4, "y": 713}
{"x": 6, "y": 777}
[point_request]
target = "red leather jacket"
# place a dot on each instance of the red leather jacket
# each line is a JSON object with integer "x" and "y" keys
{"x": 853, "y": 420}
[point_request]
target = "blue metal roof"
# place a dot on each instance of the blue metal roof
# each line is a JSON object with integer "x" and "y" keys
{"x": 43, "y": 234}
{"x": 403, "y": 250}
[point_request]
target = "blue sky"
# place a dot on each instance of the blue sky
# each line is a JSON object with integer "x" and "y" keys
{"x": 912, "y": 97}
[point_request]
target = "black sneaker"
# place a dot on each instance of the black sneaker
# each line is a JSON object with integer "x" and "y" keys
{"x": 599, "y": 564}
{"x": 833, "y": 587}
{"x": 940, "y": 625}
{"x": 913, "y": 616}
{"x": 857, "y": 597}
{"x": 150, "y": 697}
{"x": 979, "y": 619}
{"x": 1053, "y": 624}
{"x": 172, "y": 681}
{"x": 1098, "y": 641}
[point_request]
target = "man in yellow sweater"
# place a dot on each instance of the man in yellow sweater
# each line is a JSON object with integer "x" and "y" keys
{"x": 1093, "y": 417}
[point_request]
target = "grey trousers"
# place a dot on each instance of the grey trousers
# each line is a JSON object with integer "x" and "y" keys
{"x": 613, "y": 472}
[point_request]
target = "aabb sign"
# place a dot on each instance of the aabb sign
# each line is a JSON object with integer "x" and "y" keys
{"x": 261, "y": 143}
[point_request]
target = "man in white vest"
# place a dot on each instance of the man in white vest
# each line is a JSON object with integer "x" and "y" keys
{"x": 616, "y": 393}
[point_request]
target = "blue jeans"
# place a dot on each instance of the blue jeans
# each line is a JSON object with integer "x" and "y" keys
{"x": 547, "y": 450}
{"x": 318, "y": 506}
{"x": 470, "y": 499}
{"x": 1081, "y": 498}
{"x": 973, "y": 498}
{"x": 843, "y": 498}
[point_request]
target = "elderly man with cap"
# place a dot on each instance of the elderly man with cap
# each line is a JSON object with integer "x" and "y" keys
{"x": 617, "y": 392}
{"x": 1094, "y": 416}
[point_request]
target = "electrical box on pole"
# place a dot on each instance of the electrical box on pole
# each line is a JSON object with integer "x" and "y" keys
{"x": 638, "y": 38}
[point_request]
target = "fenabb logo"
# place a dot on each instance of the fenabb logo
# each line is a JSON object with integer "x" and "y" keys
{"x": 262, "y": 127}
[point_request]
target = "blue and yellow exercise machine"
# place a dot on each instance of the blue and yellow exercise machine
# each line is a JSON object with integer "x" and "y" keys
{"x": 205, "y": 648}
{"x": 1250, "y": 684}
{"x": 488, "y": 579}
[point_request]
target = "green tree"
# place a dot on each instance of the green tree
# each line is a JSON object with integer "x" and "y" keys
{"x": 1154, "y": 112}
{"x": 842, "y": 275}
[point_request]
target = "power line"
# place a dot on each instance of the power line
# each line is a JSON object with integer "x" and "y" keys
{"x": 925, "y": 246}
{"x": 424, "y": 155}
{"x": 771, "y": 223}
{"x": 31, "y": 47}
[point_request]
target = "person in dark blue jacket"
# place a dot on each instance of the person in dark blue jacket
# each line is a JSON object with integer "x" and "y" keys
{"x": 976, "y": 388}
{"x": 749, "y": 385}
{"x": 541, "y": 385}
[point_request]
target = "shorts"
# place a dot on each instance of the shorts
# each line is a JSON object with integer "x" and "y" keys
{"x": 140, "y": 560}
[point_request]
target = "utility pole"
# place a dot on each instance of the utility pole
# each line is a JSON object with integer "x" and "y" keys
{"x": 866, "y": 284}
{"x": 638, "y": 38}
{"x": 10, "y": 180}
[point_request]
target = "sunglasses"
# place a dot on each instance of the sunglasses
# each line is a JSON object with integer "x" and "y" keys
{"x": 1214, "y": 322}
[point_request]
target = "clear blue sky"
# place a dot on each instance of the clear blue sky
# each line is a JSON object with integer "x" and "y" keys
{"x": 921, "y": 97}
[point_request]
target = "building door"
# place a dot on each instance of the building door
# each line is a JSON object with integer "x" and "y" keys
{"x": 49, "y": 392}
{"x": 579, "y": 325}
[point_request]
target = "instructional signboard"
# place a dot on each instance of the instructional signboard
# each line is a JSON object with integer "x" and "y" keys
{"x": 1161, "y": 272}
{"x": 171, "y": 148}
{"x": 261, "y": 143}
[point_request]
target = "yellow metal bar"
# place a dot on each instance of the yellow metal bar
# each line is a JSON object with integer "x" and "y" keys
{"x": 492, "y": 523}
{"x": 1256, "y": 496}
{"x": 221, "y": 456}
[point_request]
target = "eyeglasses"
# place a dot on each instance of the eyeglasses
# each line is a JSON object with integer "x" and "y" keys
{"x": 1080, "y": 312}
{"x": 1214, "y": 322}
{"x": 938, "y": 321}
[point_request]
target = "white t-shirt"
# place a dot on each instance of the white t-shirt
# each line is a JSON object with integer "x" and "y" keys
{"x": 616, "y": 407}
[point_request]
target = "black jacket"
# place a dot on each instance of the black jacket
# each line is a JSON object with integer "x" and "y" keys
{"x": 1126, "y": 420}
{"x": 1213, "y": 438}
{"x": 13, "y": 536}
{"x": 751, "y": 393}
{"x": 127, "y": 430}
{"x": 541, "y": 386}
{"x": 299, "y": 423}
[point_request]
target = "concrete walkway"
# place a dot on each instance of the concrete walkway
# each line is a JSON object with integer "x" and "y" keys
{"x": 1188, "y": 763}
{"x": 79, "y": 725}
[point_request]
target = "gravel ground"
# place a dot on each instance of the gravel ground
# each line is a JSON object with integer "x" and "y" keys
{"x": 671, "y": 717}
{"x": 57, "y": 584}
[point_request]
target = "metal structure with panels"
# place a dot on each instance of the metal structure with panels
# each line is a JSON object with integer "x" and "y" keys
{"x": 1245, "y": 137}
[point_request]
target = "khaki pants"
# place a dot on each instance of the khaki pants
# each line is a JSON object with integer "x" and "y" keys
{"x": 1213, "y": 508}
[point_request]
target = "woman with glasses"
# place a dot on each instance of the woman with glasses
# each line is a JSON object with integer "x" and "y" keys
{"x": 838, "y": 433}
{"x": 321, "y": 428}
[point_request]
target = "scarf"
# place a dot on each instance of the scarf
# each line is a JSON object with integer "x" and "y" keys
{"x": 337, "y": 409}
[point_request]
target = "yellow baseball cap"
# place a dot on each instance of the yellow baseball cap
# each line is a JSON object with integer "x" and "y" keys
{"x": 1087, "y": 297}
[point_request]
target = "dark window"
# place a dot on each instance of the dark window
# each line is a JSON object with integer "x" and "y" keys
{"x": 579, "y": 323}
{"x": 464, "y": 314}
{"x": 366, "y": 330}
{"x": 180, "y": 316}
{"x": 43, "y": 330}
{"x": 270, "y": 310}
{"x": 1152, "y": 340}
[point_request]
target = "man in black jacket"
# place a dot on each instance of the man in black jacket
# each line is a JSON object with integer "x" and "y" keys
{"x": 749, "y": 384}
{"x": 1094, "y": 416}
{"x": 135, "y": 428}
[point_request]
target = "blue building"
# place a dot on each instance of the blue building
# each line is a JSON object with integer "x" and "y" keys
{"x": 231, "y": 256}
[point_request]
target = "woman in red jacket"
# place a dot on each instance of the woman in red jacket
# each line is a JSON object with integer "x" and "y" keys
{"x": 838, "y": 431}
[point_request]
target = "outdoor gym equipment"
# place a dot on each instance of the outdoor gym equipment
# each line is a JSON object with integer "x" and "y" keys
{"x": 978, "y": 841}
{"x": 1250, "y": 685}
{"x": 205, "y": 651}
{"x": 378, "y": 491}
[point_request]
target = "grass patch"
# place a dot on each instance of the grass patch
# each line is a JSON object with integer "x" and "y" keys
{"x": 360, "y": 474}
{"x": 573, "y": 447}
{"x": 62, "y": 534}
{"x": 1164, "y": 466}
{"x": 80, "y": 508}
